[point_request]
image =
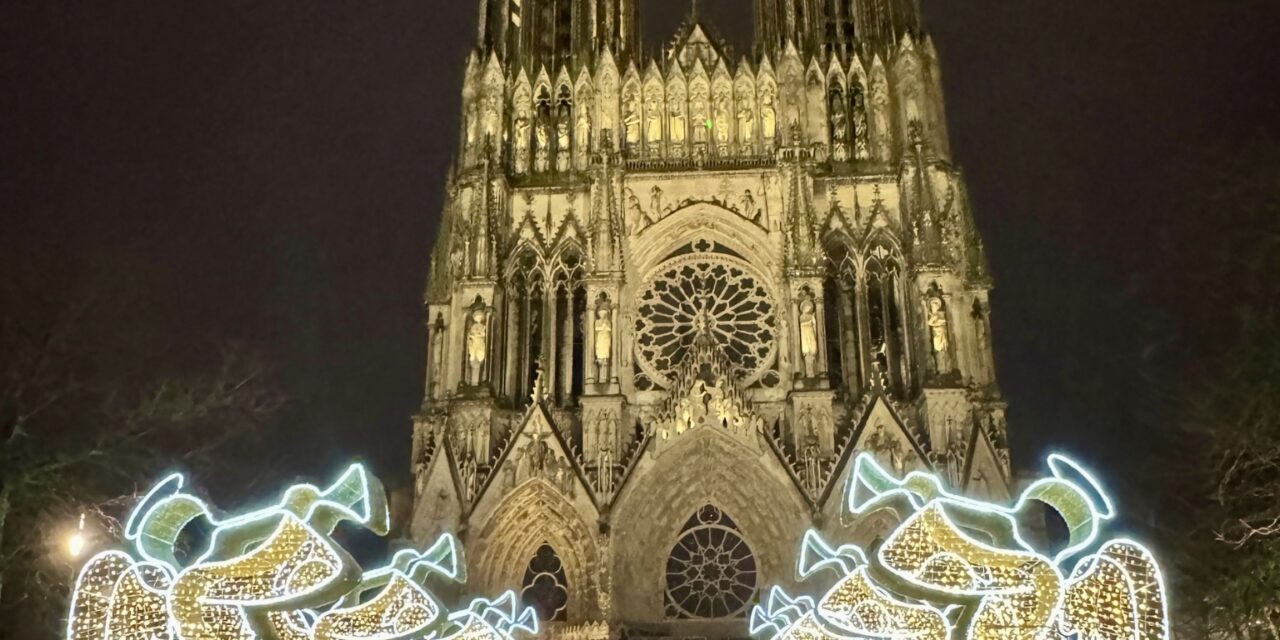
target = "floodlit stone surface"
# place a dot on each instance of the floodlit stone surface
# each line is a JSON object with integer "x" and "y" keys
{"x": 672, "y": 298}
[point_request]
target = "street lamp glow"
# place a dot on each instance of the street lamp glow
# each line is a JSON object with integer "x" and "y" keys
{"x": 76, "y": 543}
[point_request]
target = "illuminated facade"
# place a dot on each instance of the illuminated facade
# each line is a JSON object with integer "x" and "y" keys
{"x": 673, "y": 297}
{"x": 192, "y": 574}
{"x": 961, "y": 568}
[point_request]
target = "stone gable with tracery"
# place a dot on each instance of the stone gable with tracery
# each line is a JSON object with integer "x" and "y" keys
{"x": 672, "y": 297}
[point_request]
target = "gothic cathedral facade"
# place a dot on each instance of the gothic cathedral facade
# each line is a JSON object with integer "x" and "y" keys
{"x": 673, "y": 295}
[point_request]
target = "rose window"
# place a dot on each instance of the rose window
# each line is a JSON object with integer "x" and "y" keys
{"x": 711, "y": 572}
{"x": 709, "y": 294}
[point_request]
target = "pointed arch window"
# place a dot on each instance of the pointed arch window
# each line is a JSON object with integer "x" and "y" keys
{"x": 569, "y": 310}
{"x": 545, "y": 587}
{"x": 711, "y": 571}
{"x": 884, "y": 311}
{"x": 844, "y": 364}
{"x": 526, "y": 294}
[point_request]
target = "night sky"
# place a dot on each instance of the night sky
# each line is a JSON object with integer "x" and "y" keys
{"x": 271, "y": 172}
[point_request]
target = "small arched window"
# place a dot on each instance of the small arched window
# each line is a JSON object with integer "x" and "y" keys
{"x": 711, "y": 572}
{"x": 544, "y": 587}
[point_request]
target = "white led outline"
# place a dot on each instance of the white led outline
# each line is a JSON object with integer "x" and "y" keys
{"x": 499, "y": 618}
{"x": 1085, "y": 485}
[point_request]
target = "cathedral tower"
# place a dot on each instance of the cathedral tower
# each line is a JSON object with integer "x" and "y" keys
{"x": 671, "y": 298}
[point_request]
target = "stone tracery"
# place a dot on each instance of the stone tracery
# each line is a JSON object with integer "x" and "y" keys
{"x": 709, "y": 296}
{"x": 704, "y": 260}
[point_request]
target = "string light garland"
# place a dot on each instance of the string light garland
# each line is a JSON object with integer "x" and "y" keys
{"x": 275, "y": 573}
{"x": 960, "y": 568}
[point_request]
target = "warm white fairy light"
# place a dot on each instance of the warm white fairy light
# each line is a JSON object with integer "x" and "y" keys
{"x": 932, "y": 578}
{"x": 276, "y": 572}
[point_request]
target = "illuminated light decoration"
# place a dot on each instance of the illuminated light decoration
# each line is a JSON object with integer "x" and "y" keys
{"x": 275, "y": 573}
{"x": 955, "y": 567}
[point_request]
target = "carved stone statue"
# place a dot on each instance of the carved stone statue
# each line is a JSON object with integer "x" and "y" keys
{"x": 583, "y": 133}
{"x": 477, "y": 344}
{"x": 437, "y": 358}
{"x": 562, "y": 145}
{"x": 542, "y": 152}
{"x": 631, "y": 124}
{"x": 468, "y": 475}
{"x": 604, "y": 469}
{"x": 811, "y": 459}
{"x": 603, "y": 342}
{"x": 698, "y": 115}
{"x": 768, "y": 117}
{"x": 880, "y": 118}
{"x": 655, "y": 203}
{"x": 748, "y": 205}
{"x": 860, "y": 148}
{"x": 653, "y": 122}
{"x": 980, "y": 323}
{"x": 722, "y": 122}
{"x": 936, "y": 320}
{"x": 746, "y": 128}
{"x": 809, "y": 336}
{"x": 677, "y": 123}
{"x": 522, "y": 143}
{"x": 839, "y": 131}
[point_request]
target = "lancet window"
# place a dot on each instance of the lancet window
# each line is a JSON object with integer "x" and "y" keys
{"x": 885, "y": 320}
{"x": 526, "y": 302}
{"x": 545, "y": 587}
{"x": 865, "y": 325}
{"x": 844, "y": 354}
{"x": 569, "y": 308}
{"x": 711, "y": 571}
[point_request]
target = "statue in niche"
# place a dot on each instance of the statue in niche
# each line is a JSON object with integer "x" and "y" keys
{"x": 653, "y": 119}
{"x": 469, "y": 476}
{"x": 768, "y": 117}
{"x": 811, "y": 460}
{"x": 477, "y": 343}
{"x": 954, "y": 454}
{"x": 604, "y": 469}
{"x": 980, "y": 324}
{"x": 583, "y": 134}
{"x": 698, "y": 115}
{"x": 839, "y": 131}
{"x": 677, "y": 123}
{"x": 746, "y": 128}
{"x": 603, "y": 340}
{"x": 490, "y": 119}
{"x": 437, "y": 356}
{"x": 631, "y": 125}
{"x": 522, "y": 143}
{"x": 936, "y": 320}
{"x": 562, "y": 144}
{"x": 606, "y": 116}
{"x": 880, "y": 118}
{"x": 860, "y": 150}
{"x": 809, "y": 335}
{"x": 722, "y": 122}
{"x": 542, "y": 153}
